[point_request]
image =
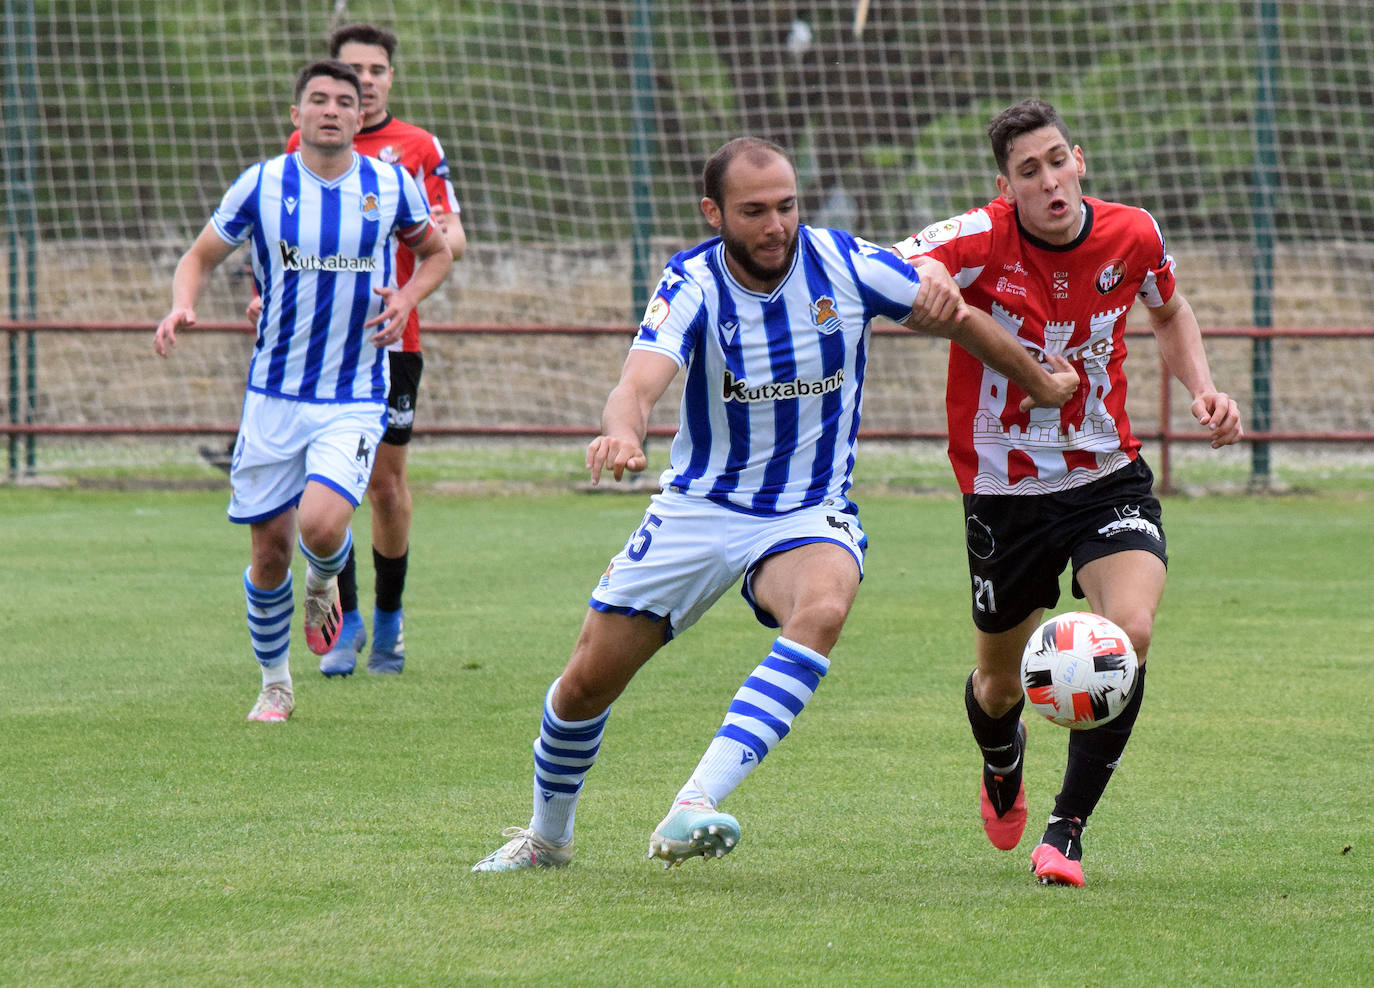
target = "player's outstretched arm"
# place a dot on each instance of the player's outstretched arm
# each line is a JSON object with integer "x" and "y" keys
{"x": 977, "y": 332}
{"x": 625, "y": 419}
{"x": 195, "y": 266}
{"x": 1179, "y": 338}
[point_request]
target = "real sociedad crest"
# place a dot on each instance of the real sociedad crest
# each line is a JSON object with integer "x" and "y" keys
{"x": 824, "y": 314}
{"x": 371, "y": 208}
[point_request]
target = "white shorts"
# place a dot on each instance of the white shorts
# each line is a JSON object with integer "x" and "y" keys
{"x": 282, "y": 444}
{"x": 688, "y": 551}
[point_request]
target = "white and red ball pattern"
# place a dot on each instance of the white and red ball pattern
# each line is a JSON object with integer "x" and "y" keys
{"x": 1078, "y": 670}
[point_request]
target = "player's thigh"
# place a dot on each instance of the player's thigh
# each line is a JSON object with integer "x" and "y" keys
{"x": 818, "y": 580}
{"x": 1016, "y": 551}
{"x": 1126, "y": 588}
{"x": 388, "y": 472}
{"x": 830, "y": 535}
{"x": 403, "y": 396}
{"x": 673, "y": 565}
{"x": 267, "y": 471}
{"x": 343, "y": 447}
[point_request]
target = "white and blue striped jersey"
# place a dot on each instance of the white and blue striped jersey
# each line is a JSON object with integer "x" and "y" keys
{"x": 771, "y": 404}
{"x": 318, "y": 250}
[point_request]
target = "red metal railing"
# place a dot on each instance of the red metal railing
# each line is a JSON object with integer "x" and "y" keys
{"x": 1165, "y": 434}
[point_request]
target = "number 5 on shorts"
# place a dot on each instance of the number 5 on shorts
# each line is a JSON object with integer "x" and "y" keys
{"x": 639, "y": 541}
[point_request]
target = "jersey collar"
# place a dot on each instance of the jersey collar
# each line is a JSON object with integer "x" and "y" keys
{"x": 377, "y": 126}
{"x": 1083, "y": 232}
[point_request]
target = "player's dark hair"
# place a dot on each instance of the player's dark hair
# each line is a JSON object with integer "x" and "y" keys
{"x": 363, "y": 34}
{"x": 1021, "y": 118}
{"x": 713, "y": 175}
{"x": 332, "y": 68}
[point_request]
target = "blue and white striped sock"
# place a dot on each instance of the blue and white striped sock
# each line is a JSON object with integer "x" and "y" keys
{"x": 759, "y": 717}
{"x": 269, "y": 628}
{"x": 563, "y": 754}
{"x": 324, "y": 567}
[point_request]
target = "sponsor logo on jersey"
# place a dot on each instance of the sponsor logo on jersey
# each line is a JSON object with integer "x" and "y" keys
{"x": 824, "y": 315}
{"x": 1014, "y": 268}
{"x": 728, "y": 329}
{"x": 738, "y": 389}
{"x": 371, "y": 208}
{"x": 1110, "y": 275}
{"x": 290, "y": 203}
{"x": 389, "y": 154}
{"x": 1006, "y": 287}
{"x": 293, "y": 260}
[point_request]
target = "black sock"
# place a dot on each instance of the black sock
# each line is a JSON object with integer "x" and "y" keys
{"x": 348, "y": 584}
{"x": 391, "y": 579}
{"x": 999, "y": 741}
{"x": 1093, "y": 756}
{"x": 996, "y": 736}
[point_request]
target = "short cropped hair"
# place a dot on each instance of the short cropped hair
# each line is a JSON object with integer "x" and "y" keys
{"x": 332, "y": 68}
{"x": 758, "y": 150}
{"x": 1018, "y": 119}
{"x": 363, "y": 34}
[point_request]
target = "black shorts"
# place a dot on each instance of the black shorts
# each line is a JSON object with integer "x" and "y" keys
{"x": 400, "y": 400}
{"x": 1018, "y": 545}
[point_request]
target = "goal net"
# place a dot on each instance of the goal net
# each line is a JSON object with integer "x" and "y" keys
{"x": 576, "y": 132}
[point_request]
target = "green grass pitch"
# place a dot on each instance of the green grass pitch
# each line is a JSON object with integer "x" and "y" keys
{"x": 151, "y": 836}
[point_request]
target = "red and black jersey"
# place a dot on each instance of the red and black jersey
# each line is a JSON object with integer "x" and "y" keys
{"x": 1069, "y": 299}
{"x": 420, "y": 153}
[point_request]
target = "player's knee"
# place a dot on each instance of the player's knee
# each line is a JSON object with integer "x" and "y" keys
{"x": 998, "y": 692}
{"x": 387, "y": 490}
{"x": 579, "y": 697}
{"x": 322, "y": 536}
{"x": 1138, "y": 628}
{"x": 817, "y": 623}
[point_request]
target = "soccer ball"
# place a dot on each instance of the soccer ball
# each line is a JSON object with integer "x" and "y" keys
{"x": 1078, "y": 670}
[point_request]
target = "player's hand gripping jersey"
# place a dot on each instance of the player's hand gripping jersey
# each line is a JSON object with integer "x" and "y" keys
{"x": 1071, "y": 300}
{"x": 770, "y": 409}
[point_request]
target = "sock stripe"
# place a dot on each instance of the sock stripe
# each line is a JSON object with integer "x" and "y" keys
{"x": 332, "y": 564}
{"x": 763, "y": 691}
{"x": 799, "y": 672}
{"x": 759, "y": 724}
{"x": 813, "y": 660}
{"x": 560, "y": 732}
{"x": 735, "y": 733}
{"x": 268, "y": 616}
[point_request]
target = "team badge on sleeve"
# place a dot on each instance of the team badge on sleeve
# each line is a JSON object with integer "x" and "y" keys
{"x": 654, "y": 317}
{"x": 938, "y": 233}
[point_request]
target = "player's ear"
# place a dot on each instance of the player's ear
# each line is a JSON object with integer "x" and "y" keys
{"x": 1079, "y": 160}
{"x": 295, "y": 116}
{"x": 711, "y": 210}
{"x": 1004, "y": 188}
